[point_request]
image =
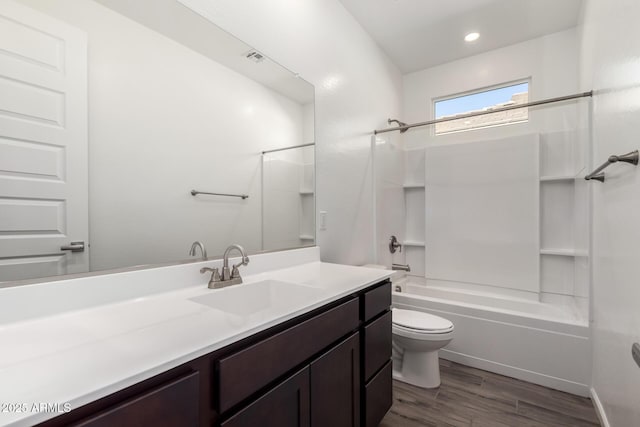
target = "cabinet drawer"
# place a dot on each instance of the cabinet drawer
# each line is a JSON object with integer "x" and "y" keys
{"x": 247, "y": 371}
{"x": 378, "y": 394}
{"x": 174, "y": 404}
{"x": 377, "y": 344}
{"x": 376, "y": 301}
{"x": 286, "y": 405}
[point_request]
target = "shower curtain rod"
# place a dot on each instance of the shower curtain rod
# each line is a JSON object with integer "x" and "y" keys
{"x": 482, "y": 113}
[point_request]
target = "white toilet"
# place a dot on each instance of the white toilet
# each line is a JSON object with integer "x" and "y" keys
{"x": 417, "y": 337}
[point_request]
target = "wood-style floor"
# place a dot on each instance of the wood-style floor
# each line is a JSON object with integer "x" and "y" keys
{"x": 472, "y": 397}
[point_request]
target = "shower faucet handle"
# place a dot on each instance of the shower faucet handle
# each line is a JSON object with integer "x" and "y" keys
{"x": 394, "y": 245}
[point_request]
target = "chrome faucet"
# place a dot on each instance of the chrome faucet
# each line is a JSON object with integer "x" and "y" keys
{"x": 235, "y": 274}
{"x": 214, "y": 282}
{"x": 198, "y": 244}
{"x": 229, "y": 277}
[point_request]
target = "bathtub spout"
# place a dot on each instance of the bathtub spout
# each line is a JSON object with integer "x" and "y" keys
{"x": 401, "y": 267}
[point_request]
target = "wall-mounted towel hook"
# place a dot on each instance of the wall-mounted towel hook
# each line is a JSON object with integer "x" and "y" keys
{"x": 631, "y": 158}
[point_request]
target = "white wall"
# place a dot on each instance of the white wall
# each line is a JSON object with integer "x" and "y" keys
{"x": 164, "y": 120}
{"x": 357, "y": 89}
{"x": 611, "y": 66}
{"x": 551, "y": 62}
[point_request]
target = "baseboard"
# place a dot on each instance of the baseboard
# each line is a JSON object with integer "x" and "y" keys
{"x": 519, "y": 373}
{"x": 602, "y": 415}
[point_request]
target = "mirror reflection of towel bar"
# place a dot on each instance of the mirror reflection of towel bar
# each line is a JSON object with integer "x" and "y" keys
{"x": 598, "y": 175}
{"x": 242, "y": 196}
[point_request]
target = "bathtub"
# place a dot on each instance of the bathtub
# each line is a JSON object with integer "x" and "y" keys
{"x": 543, "y": 342}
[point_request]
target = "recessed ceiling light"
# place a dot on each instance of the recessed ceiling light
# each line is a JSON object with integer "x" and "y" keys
{"x": 471, "y": 37}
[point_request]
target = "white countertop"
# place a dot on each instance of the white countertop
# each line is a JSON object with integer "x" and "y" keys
{"x": 82, "y": 355}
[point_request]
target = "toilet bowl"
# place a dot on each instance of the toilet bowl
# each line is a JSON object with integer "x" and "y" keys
{"x": 417, "y": 337}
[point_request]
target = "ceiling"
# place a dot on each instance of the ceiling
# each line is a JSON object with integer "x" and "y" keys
{"x": 174, "y": 20}
{"x": 418, "y": 34}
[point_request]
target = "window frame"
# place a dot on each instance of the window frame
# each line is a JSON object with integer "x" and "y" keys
{"x": 527, "y": 80}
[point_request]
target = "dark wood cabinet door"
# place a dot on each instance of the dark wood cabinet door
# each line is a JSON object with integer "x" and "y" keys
{"x": 286, "y": 405}
{"x": 174, "y": 404}
{"x": 377, "y": 344}
{"x": 378, "y": 396}
{"x": 335, "y": 386}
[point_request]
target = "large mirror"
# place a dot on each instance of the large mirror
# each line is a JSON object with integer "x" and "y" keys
{"x": 131, "y": 129}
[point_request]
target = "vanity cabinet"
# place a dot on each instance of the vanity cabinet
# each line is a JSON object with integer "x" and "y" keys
{"x": 330, "y": 367}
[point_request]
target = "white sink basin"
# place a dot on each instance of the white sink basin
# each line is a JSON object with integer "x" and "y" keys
{"x": 258, "y": 297}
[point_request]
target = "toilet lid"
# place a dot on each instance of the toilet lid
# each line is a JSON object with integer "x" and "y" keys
{"x": 420, "y": 321}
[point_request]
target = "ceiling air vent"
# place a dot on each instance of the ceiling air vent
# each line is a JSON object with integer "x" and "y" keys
{"x": 255, "y": 56}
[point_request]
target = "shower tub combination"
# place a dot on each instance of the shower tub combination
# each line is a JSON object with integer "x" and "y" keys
{"x": 540, "y": 342}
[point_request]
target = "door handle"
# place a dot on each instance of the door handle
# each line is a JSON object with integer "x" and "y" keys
{"x": 73, "y": 247}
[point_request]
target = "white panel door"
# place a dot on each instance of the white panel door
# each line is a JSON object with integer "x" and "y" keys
{"x": 43, "y": 144}
{"x": 482, "y": 213}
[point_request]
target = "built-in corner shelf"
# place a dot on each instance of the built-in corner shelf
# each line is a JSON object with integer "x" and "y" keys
{"x": 306, "y": 192}
{"x": 413, "y": 243}
{"x": 563, "y": 252}
{"x": 306, "y": 237}
{"x": 556, "y": 178}
{"x": 410, "y": 186}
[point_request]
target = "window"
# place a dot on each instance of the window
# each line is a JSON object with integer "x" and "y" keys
{"x": 484, "y": 100}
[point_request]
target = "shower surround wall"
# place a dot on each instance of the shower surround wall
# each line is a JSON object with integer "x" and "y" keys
{"x": 287, "y": 198}
{"x": 482, "y": 213}
{"x": 389, "y": 206}
{"x": 557, "y": 231}
{"x": 529, "y": 196}
{"x": 611, "y": 66}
